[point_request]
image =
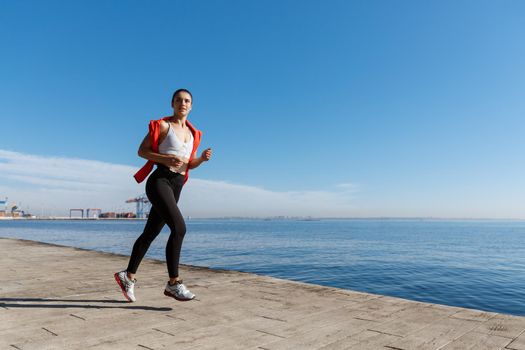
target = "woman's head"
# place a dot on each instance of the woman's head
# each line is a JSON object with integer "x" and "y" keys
{"x": 179, "y": 91}
{"x": 182, "y": 101}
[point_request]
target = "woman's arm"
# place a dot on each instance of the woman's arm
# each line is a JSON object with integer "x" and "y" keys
{"x": 146, "y": 152}
{"x": 205, "y": 156}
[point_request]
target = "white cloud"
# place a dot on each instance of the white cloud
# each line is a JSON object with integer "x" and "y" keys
{"x": 218, "y": 198}
{"x": 53, "y": 185}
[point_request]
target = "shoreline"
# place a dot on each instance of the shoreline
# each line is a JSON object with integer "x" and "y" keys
{"x": 409, "y": 260}
{"x": 290, "y": 278}
{"x": 415, "y": 219}
{"x": 63, "y": 304}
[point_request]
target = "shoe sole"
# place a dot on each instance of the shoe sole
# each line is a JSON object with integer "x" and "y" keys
{"x": 122, "y": 288}
{"x": 168, "y": 294}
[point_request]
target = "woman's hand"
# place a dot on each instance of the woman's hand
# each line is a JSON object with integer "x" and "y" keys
{"x": 206, "y": 154}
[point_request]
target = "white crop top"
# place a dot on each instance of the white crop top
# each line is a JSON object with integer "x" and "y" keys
{"x": 172, "y": 145}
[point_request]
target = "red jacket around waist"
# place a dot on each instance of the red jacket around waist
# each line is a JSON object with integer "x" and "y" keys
{"x": 154, "y": 135}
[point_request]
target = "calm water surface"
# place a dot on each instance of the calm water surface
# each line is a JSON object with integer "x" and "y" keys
{"x": 474, "y": 264}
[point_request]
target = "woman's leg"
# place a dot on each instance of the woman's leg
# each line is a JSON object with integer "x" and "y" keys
{"x": 126, "y": 279}
{"x": 152, "y": 229}
{"x": 165, "y": 203}
{"x": 169, "y": 211}
{"x": 163, "y": 195}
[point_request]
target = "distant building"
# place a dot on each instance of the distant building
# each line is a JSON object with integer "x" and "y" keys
{"x": 113, "y": 215}
{"x": 126, "y": 215}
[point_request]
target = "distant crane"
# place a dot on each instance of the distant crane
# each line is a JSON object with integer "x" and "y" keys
{"x": 81, "y": 211}
{"x": 90, "y": 212}
{"x": 143, "y": 205}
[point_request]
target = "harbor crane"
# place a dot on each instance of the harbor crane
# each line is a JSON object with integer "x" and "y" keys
{"x": 143, "y": 205}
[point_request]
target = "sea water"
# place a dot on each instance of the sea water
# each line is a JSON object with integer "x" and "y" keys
{"x": 468, "y": 263}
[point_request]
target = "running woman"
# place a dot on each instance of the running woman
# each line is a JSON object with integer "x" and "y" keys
{"x": 171, "y": 144}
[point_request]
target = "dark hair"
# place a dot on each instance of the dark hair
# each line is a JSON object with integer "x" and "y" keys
{"x": 180, "y": 90}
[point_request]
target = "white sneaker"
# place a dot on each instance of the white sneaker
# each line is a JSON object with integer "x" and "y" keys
{"x": 178, "y": 291}
{"x": 126, "y": 285}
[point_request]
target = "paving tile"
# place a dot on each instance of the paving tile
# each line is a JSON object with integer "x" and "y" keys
{"x": 473, "y": 315}
{"x": 503, "y": 326}
{"x": 365, "y": 340}
{"x": 478, "y": 341}
{"x": 518, "y": 343}
{"x": 411, "y": 320}
{"x": 435, "y": 336}
{"x": 321, "y": 336}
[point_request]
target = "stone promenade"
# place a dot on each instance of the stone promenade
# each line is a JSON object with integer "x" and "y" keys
{"x": 54, "y": 297}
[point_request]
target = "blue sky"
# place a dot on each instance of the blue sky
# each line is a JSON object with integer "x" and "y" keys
{"x": 404, "y": 108}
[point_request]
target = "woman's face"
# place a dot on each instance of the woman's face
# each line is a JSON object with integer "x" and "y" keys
{"x": 182, "y": 104}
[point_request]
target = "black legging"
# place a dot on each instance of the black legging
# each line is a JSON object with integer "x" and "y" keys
{"x": 163, "y": 190}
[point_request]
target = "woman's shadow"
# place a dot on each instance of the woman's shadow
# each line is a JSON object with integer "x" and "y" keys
{"x": 74, "y": 303}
